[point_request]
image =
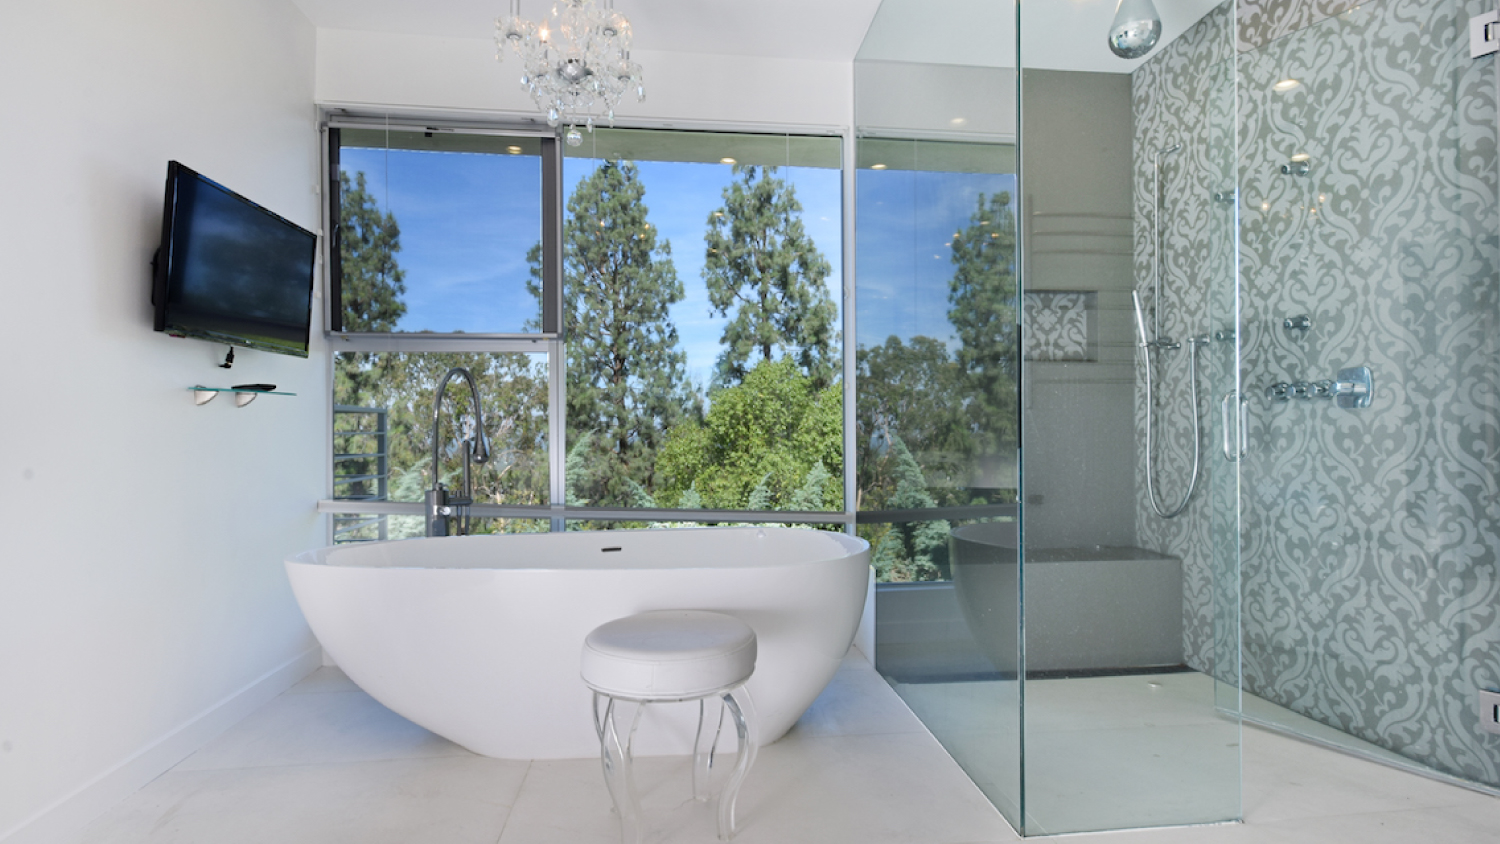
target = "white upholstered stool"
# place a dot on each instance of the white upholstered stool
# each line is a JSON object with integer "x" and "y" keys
{"x": 671, "y": 655}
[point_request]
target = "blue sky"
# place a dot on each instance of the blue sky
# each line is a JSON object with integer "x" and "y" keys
{"x": 467, "y": 221}
{"x": 906, "y": 222}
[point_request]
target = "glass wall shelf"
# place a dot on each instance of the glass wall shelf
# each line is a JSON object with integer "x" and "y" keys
{"x": 242, "y": 395}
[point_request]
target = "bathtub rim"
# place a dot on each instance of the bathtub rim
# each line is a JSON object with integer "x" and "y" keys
{"x": 852, "y": 545}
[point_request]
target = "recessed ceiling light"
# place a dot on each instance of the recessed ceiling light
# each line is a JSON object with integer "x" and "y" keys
{"x": 1286, "y": 85}
{"x": 513, "y": 150}
{"x": 726, "y": 160}
{"x": 877, "y": 166}
{"x": 958, "y": 121}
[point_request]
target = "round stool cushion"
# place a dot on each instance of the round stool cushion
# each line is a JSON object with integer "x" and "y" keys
{"x": 668, "y": 654}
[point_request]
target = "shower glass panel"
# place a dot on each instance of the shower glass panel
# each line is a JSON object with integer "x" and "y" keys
{"x": 1007, "y": 204}
{"x": 937, "y": 387}
{"x": 1129, "y": 513}
{"x": 1369, "y": 240}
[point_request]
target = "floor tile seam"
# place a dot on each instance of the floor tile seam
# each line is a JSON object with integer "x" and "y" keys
{"x": 332, "y": 763}
{"x": 830, "y": 739}
{"x": 1114, "y": 728}
{"x": 515, "y": 800}
{"x": 917, "y": 730}
{"x": 310, "y": 693}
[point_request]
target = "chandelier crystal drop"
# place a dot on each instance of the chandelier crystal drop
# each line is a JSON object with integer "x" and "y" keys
{"x": 575, "y": 63}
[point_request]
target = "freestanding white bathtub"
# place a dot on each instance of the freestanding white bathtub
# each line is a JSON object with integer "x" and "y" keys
{"x": 478, "y": 638}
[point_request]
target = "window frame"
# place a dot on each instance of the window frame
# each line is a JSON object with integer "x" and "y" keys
{"x": 552, "y": 340}
{"x": 551, "y": 242}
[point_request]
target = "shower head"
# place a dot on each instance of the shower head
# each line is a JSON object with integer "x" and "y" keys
{"x": 1135, "y": 29}
{"x": 1168, "y": 150}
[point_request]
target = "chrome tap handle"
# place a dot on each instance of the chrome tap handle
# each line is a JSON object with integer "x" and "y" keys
{"x": 1353, "y": 387}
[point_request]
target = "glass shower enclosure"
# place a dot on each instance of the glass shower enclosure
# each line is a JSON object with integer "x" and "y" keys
{"x": 1011, "y": 197}
{"x": 1177, "y": 390}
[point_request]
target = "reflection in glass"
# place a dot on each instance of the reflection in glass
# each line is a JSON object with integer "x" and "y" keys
{"x": 938, "y": 345}
{"x": 1120, "y": 606}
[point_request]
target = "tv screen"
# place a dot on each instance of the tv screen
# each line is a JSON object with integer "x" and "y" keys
{"x": 231, "y": 271}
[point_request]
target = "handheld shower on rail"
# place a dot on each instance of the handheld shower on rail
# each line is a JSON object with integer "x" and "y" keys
{"x": 1140, "y": 321}
{"x": 1159, "y": 342}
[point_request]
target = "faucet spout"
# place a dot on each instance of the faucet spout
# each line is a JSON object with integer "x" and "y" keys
{"x": 441, "y": 506}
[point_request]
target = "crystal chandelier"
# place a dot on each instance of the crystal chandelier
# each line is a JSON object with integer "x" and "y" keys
{"x": 575, "y": 62}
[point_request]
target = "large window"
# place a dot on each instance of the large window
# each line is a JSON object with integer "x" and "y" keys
{"x": 664, "y": 306}
{"x": 436, "y": 231}
{"x": 702, "y": 285}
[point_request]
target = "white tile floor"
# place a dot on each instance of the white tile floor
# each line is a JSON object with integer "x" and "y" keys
{"x": 325, "y": 763}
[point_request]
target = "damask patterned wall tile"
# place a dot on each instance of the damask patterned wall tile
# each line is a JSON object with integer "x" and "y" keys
{"x": 1183, "y": 96}
{"x": 1061, "y": 326}
{"x": 1262, "y": 21}
{"x": 1368, "y": 538}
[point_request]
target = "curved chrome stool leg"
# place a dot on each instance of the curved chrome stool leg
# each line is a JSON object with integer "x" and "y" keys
{"x": 737, "y": 702}
{"x": 618, "y": 776}
{"x": 705, "y": 750}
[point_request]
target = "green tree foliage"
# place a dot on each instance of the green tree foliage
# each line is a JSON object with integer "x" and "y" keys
{"x": 371, "y": 283}
{"x": 911, "y": 550}
{"x": 764, "y": 272}
{"x": 985, "y": 313}
{"x": 914, "y": 391}
{"x": 627, "y": 385}
{"x": 771, "y": 442}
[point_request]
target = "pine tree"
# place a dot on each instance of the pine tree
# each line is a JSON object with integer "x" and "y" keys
{"x": 984, "y": 313}
{"x": 761, "y": 266}
{"x": 912, "y": 550}
{"x": 371, "y": 283}
{"x": 627, "y": 383}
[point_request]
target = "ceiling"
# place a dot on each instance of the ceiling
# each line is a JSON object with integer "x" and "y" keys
{"x": 1059, "y": 34}
{"x": 828, "y": 30}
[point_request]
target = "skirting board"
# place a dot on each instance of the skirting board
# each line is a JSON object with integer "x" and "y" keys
{"x": 69, "y": 815}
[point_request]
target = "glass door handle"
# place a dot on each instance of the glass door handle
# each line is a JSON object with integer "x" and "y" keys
{"x": 1236, "y": 426}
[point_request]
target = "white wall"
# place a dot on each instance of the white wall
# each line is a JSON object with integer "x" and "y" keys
{"x": 374, "y": 71}
{"x": 142, "y": 600}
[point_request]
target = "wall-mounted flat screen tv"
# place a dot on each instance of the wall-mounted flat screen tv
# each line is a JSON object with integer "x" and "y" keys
{"x": 230, "y": 271}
